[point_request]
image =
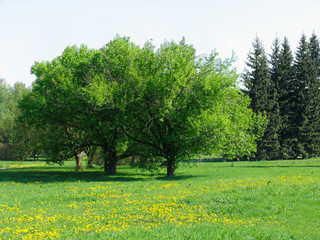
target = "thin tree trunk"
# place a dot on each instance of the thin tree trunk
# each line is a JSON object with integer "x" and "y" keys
{"x": 91, "y": 155}
{"x": 78, "y": 157}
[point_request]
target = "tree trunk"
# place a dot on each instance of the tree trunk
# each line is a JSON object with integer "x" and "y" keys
{"x": 78, "y": 157}
{"x": 91, "y": 155}
{"x": 110, "y": 162}
{"x": 112, "y": 167}
{"x": 171, "y": 166}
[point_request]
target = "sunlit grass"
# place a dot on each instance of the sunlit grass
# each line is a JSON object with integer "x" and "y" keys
{"x": 252, "y": 200}
{"x": 21, "y": 164}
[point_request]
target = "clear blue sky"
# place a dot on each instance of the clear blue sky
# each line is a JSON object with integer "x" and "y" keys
{"x": 39, "y": 30}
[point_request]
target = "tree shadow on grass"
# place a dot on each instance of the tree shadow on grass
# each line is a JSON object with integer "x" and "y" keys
{"x": 64, "y": 176}
{"x": 52, "y": 176}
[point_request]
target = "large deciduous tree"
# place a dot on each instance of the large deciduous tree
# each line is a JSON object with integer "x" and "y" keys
{"x": 161, "y": 106}
{"x": 73, "y": 101}
{"x": 106, "y": 95}
{"x": 184, "y": 105}
{"x": 55, "y": 106}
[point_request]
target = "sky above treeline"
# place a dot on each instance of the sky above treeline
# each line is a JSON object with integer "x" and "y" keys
{"x": 38, "y": 30}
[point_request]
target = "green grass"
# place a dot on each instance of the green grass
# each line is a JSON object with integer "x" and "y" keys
{"x": 251, "y": 200}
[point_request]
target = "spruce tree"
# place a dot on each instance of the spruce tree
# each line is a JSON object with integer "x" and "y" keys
{"x": 286, "y": 100}
{"x": 274, "y": 125}
{"x": 314, "y": 49}
{"x": 306, "y": 137}
{"x": 257, "y": 81}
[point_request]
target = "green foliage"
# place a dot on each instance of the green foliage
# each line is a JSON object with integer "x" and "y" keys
{"x": 272, "y": 137}
{"x": 307, "y": 96}
{"x": 13, "y": 135}
{"x": 72, "y": 102}
{"x": 286, "y": 99}
{"x": 184, "y": 105}
{"x": 56, "y": 107}
{"x": 314, "y": 49}
{"x": 260, "y": 87}
{"x": 289, "y": 94}
{"x": 162, "y": 106}
{"x": 7, "y": 109}
{"x": 256, "y": 78}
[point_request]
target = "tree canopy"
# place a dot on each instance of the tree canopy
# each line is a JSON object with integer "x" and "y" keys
{"x": 185, "y": 105}
{"x": 14, "y": 142}
{"x": 292, "y": 101}
{"x": 161, "y": 106}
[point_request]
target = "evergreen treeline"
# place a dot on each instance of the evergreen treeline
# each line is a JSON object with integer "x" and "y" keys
{"x": 287, "y": 89}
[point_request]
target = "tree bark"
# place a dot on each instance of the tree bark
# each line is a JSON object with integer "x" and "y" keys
{"x": 91, "y": 155}
{"x": 110, "y": 162}
{"x": 78, "y": 157}
{"x": 171, "y": 166}
{"x": 112, "y": 167}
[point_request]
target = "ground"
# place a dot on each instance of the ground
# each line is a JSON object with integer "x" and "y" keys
{"x": 251, "y": 200}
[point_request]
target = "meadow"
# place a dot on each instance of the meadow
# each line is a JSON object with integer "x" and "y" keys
{"x": 208, "y": 200}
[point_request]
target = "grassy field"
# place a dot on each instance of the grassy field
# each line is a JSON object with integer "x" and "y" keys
{"x": 252, "y": 200}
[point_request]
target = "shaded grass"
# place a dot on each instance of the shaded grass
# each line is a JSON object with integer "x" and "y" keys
{"x": 252, "y": 200}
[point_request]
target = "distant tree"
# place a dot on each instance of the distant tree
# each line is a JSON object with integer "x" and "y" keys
{"x": 315, "y": 52}
{"x": 13, "y": 138}
{"x": 23, "y": 143}
{"x": 23, "y": 139}
{"x": 91, "y": 154}
{"x": 286, "y": 91}
{"x": 6, "y": 118}
{"x": 289, "y": 94}
{"x": 258, "y": 86}
{"x": 307, "y": 115}
{"x": 314, "y": 48}
{"x": 6, "y": 111}
{"x": 272, "y": 135}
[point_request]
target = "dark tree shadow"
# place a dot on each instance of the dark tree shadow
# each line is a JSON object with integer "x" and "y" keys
{"x": 64, "y": 176}
{"x": 48, "y": 175}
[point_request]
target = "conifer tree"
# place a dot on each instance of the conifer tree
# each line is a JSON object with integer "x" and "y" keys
{"x": 314, "y": 48}
{"x": 289, "y": 93}
{"x": 286, "y": 99}
{"x": 306, "y": 137}
{"x": 257, "y": 81}
{"x": 273, "y": 113}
